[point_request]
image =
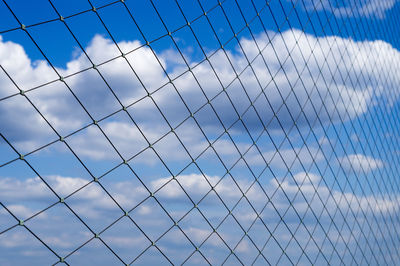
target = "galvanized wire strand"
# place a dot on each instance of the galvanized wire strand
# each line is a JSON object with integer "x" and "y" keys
{"x": 289, "y": 169}
{"x": 374, "y": 179}
{"x": 111, "y": 143}
{"x": 359, "y": 218}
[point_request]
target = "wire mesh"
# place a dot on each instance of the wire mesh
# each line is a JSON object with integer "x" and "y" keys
{"x": 199, "y": 132}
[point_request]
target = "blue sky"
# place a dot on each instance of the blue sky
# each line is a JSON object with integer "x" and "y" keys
{"x": 298, "y": 112}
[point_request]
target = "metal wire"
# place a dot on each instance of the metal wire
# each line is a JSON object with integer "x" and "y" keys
{"x": 357, "y": 220}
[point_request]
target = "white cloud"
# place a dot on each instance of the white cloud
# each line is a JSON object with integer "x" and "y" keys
{"x": 346, "y": 99}
{"x": 125, "y": 241}
{"x": 359, "y": 163}
{"x": 307, "y": 182}
{"x": 195, "y": 185}
{"x": 198, "y": 235}
{"x": 18, "y": 239}
{"x": 288, "y": 158}
{"x": 28, "y": 130}
{"x": 21, "y": 211}
{"x": 350, "y": 8}
{"x": 306, "y": 178}
{"x": 10, "y": 187}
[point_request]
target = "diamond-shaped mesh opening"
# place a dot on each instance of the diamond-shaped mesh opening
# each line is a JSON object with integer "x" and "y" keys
{"x": 147, "y": 68}
{"x": 214, "y": 249}
{"x": 90, "y": 95}
{"x": 217, "y": 213}
{"x": 81, "y": 256}
{"x": 160, "y": 222}
{"x": 230, "y": 231}
{"x": 25, "y": 195}
{"x": 199, "y": 132}
{"x": 152, "y": 256}
{"x": 15, "y": 132}
{"x": 125, "y": 238}
{"x": 245, "y": 251}
{"x": 244, "y": 214}
{"x": 195, "y": 183}
{"x": 196, "y": 259}
{"x": 72, "y": 176}
{"x": 174, "y": 199}
{"x": 176, "y": 113}
{"x": 195, "y": 226}
{"x": 128, "y": 90}
{"x": 25, "y": 248}
{"x": 59, "y": 221}
{"x": 124, "y": 187}
{"x": 192, "y": 138}
{"x": 175, "y": 245}
{"x": 7, "y": 221}
{"x": 90, "y": 203}
{"x": 97, "y": 145}
{"x": 149, "y": 169}
{"x": 179, "y": 160}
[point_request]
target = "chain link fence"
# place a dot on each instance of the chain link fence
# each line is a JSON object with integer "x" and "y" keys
{"x": 237, "y": 132}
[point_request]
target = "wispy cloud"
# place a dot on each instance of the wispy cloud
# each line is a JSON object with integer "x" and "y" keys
{"x": 349, "y": 8}
{"x": 359, "y": 163}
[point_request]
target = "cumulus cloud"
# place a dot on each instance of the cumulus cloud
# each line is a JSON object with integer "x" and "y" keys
{"x": 308, "y": 184}
{"x": 359, "y": 163}
{"x": 196, "y": 186}
{"x": 349, "y": 8}
{"x": 194, "y": 226}
{"x": 288, "y": 158}
{"x": 341, "y": 99}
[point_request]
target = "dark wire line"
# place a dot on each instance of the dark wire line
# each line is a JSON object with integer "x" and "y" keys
{"x": 379, "y": 227}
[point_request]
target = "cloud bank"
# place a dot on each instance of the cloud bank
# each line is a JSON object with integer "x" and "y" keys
{"x": 98, "y": 211}
{"x": 325, "y": 79}
{"x": 328, "y": 67}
